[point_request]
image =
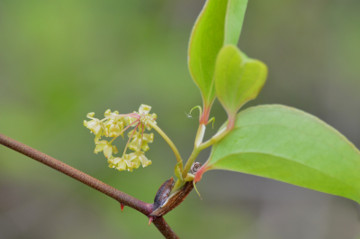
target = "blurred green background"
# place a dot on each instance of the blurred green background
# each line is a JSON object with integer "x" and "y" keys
{"x": 62, "y": 59}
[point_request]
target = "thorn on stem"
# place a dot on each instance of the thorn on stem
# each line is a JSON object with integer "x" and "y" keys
{"x": 151, "y": 219}
{"x": 122, "y": 206}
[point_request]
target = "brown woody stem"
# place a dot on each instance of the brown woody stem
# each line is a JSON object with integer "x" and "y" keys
{"x": 121, "y": 197}
{"x": 164, "y": 228}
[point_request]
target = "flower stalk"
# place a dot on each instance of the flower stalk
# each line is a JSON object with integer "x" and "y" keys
{"x": 169, "y": 142}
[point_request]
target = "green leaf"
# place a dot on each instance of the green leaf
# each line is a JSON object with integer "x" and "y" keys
{"x": 219, "y": 23}
{"x": 289, "y": 145}
{"x": 238, "y": 79}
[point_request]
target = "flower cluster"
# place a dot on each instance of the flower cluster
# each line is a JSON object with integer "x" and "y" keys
{"x": 115, "y": 125}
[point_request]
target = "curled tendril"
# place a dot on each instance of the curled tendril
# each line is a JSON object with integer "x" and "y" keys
{"x": 193, "y": 108}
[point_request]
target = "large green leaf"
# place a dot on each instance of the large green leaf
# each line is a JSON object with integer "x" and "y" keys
{"x": 292, "y": 146}
{"x": 219, "y": 23}
{"x": 238, "y": 78}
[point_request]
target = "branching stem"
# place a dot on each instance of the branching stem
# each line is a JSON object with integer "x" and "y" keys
{"x": 121, "y": 197}
{"x": 199, "y": 145}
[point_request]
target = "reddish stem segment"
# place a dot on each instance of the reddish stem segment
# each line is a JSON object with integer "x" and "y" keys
{"x": 204, "y": 118}
{"x": 123, "y": 198}
{"x": 164, "y": 228}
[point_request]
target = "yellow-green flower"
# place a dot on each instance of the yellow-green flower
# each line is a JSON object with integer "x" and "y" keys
{"x": 117, "y": 163}
{"x": 106, "y": 147}
{"x": 94, "y": 124}
{"x": 147, "y": 119}
{"x": 140, "y": 141}
{"x": 113, "y": 126}
{"x": 139, "y": 157}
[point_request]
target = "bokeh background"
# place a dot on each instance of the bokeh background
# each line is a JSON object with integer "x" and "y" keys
{"x": 62, "y": 59}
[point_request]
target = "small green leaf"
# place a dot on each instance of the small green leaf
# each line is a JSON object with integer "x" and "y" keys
{"x": 219, "y": 23}
{"x": 238, "y": 79}
{"x": 289, "y": 145}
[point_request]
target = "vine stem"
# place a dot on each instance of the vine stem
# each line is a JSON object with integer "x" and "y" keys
{"x": 198, "y": 140}
{"x": 121, "y": 197}
{"x": 200, "y": 145}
